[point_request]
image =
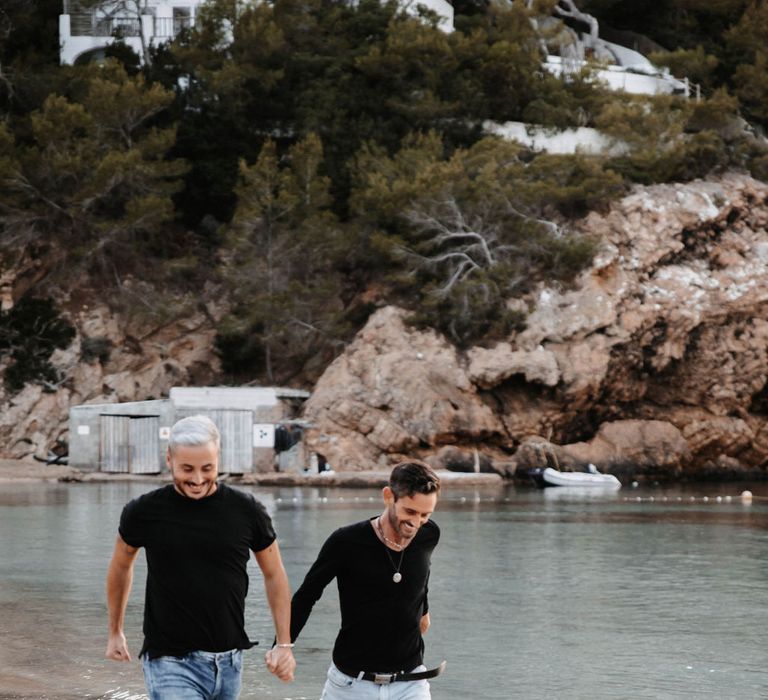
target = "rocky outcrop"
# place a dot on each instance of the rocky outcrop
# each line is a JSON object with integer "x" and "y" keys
{"x": 113, "y": 358}
{"x": 393, "y": 391}
{"x": 656, "y": 360}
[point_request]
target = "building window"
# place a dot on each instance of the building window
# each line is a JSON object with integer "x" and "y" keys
{"x": 182, "y": 19}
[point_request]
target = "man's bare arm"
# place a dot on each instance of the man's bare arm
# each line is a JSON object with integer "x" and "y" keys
{"x": 279, "y": 660}
{"x": 119, "y": 581}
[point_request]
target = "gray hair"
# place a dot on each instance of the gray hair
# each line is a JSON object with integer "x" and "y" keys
{"x": 194, "y": 431}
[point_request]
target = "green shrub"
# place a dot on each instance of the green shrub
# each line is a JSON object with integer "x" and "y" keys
{"x": 29, "y": 333}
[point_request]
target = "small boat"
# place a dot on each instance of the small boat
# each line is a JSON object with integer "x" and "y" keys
{"x": 547, "y": 476}
{"x": 581, "y": 494}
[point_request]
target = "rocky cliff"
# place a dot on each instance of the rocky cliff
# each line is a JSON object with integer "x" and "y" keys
{"x": 115, "y": 357}
{"x": 655, "y": 363}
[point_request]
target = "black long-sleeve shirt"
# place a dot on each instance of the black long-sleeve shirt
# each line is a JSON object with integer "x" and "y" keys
{"x": 379, "y": 618}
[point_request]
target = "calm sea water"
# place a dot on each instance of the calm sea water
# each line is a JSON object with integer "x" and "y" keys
{"x": 644, "y": 593}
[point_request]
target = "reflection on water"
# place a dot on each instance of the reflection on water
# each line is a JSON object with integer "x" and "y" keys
{"x": 534, "y": 594}
{"x": 33, "y": 495}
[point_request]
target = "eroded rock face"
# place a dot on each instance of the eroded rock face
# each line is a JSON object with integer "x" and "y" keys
{"x": 393, "y": 391}
{"x": 658, "y": 356}
{"x": 139, "y": 360}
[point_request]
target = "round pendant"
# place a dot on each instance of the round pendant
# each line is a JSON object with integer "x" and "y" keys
{"x": 397, "y": 577}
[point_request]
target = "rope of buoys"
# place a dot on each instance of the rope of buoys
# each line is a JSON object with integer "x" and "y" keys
{"x": 745, "y": 497}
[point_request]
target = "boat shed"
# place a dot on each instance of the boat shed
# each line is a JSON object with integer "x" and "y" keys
{"x": 133, "y": 437}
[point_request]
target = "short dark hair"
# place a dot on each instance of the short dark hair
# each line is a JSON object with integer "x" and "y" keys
{"x": 413, "y": 476}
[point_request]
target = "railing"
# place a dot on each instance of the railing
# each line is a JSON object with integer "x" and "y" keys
{"x": 692, "y": 89}
{"x": 169, "y": 27}
{"x": 87, "y": 24}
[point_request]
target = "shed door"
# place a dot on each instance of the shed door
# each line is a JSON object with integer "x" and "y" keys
{"x": 236, "y": 428}
{"x": 114, "y": 445}
{"x": 130, "y": 444}
{"x": 144, "y": 440}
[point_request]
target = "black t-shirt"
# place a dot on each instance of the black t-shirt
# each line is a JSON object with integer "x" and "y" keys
{"x": 379, "y": 618}
{"x": 197, "y": 556}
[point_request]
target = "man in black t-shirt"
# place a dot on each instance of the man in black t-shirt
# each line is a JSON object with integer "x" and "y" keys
{"x": 197, "y": 535}
{"x": 381, "y": 567}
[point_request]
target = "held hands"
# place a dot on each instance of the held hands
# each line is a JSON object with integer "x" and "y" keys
{"x": 280, "y": 661}
{"x": 117, "y": 648}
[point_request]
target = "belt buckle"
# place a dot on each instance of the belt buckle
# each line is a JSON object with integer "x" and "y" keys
{"x": 383, "y": 678}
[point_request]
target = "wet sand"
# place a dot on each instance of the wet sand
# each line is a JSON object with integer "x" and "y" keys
{"x": 29, "y": 470}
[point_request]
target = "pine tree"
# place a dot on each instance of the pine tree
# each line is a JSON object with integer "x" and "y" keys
{"x": 93, "y": 176}
{"x": 278, "y": 262}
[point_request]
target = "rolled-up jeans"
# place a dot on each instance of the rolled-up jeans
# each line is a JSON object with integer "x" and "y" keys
{"x": 339, "y": 686}
{"x": 199, "y": 675}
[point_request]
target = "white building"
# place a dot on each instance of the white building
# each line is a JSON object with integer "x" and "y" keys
{"x": 259, "y": 430}
{"x": 578, "y": 45}
{"x": 85, "y": 32}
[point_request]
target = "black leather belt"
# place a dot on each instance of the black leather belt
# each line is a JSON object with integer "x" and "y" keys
{"x": 385, "y": 678}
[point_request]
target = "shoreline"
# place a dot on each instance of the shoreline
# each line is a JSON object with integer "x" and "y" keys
{"x": 20, "y": 471}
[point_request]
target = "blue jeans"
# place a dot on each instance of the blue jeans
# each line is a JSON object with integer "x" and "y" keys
{"x": 200, "y": 675}
{"x": 339, "y": 686}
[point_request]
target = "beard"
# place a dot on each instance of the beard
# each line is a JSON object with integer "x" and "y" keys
{"x": 405, "y": 529}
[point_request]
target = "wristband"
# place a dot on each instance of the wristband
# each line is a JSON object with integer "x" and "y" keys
{"x": 284, "y": 646}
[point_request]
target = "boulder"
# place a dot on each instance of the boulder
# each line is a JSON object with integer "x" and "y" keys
{"x": 395, "y": 391}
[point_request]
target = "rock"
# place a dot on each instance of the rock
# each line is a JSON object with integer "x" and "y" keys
{"x": 628, "y": 446}
{"x": 535, "y": 452}
{"x": 167, "y": 356}
{"x": 490, "y": 367}
{"x": 656, "y": 359}
{"x": 456, "y": 459}
{"x": 395, "y": 391}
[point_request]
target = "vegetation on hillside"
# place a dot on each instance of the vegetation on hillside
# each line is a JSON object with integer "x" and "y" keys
{"x": 314, "y": 159}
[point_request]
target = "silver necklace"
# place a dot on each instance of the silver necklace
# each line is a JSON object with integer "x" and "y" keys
{"x": 397, "y": 576}
{"x": 385, "y": 538}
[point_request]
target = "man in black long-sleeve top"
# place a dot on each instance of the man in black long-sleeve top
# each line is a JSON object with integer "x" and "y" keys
{"x": 381, "y": 566}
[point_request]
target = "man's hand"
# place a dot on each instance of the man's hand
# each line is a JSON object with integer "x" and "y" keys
{"x": 280, "y": 661}
{"x": 117, "y": 648}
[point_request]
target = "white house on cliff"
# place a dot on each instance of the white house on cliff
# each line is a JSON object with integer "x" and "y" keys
{"x": 85, "y": 31}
